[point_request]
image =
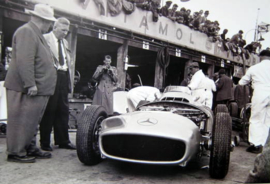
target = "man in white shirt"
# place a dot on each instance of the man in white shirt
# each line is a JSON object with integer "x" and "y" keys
{"x": 140, "y": 93}
{"x": 260, "y": 103}
{"x": 56, "y": 115}
{"x": 197, "y": 84}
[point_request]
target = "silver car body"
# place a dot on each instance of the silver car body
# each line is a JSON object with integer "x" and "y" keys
{"x": 171, "y": 124}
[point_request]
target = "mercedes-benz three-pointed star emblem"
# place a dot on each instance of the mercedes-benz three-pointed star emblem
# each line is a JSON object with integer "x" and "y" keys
{"x": 147, "y": 121}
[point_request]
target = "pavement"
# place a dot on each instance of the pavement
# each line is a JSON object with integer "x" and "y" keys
{"x": 65, "y": 168}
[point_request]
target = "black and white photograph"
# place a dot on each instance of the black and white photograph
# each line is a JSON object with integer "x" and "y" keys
{"x": 134, "y": 91}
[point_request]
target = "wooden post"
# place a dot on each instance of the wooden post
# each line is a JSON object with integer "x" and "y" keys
{"x": 121, "y": 55}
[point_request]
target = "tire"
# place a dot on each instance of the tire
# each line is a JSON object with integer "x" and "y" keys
{"x": 233, "y": 109}
{"x": 221, "y": 144}
{"x": 237, "y": 140}
{"x": 245, "y": 124}
{"x": 221, "y": 108}
{"x": 87, "y": 134}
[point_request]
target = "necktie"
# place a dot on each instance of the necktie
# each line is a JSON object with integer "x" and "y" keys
{"x": 61, "y": 58}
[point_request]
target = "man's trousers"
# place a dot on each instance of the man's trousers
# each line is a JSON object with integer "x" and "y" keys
{"x": 259, "y": 120}
{"x": 56, "y": 115}
{"x": 24, "y": 114}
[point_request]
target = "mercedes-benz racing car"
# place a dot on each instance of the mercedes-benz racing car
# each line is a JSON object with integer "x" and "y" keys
{"x": 169, "y": 131}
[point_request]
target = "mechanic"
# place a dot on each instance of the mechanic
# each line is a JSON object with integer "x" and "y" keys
{"x": 197, "y": 84}
{"x": 141, "y": 93}
{"x": 260, "y": 103}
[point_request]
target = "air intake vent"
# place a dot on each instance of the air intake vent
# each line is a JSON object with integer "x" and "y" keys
{"x": 175, "y": 99}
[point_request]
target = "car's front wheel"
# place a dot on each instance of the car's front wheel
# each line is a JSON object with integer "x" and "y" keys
{"x": 221, "y": 146}
{"x": 89, "y": 125}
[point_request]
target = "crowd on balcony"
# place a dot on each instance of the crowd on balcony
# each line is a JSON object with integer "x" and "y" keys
{"x": 199, "y": 21}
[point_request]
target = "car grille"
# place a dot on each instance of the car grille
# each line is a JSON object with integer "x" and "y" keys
{"x": 146, "y": 148}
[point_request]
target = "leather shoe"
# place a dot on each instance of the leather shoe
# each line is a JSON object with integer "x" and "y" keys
{"x": 39, "y": 154}
{"x": 21, "y": 159}
{"x": 46, "y": 147}
{"x": 67, "y": 146}
{"x": 255, "y": 149}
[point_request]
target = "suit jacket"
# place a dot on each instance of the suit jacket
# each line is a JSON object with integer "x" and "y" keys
{"x": 224, "y": 88}
{"x": 50, "y": 40}
{"x": 32, "y": 62}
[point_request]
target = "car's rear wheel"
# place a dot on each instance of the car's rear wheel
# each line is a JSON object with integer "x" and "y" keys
{"x": 88, "y": 134}
{"x": 221, "y": 144}
{"x": 233, "y": 108}
{"x": 221, "y": 108}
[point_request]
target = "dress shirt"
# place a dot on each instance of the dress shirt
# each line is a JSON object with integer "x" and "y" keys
{"x": 59, "y": 67}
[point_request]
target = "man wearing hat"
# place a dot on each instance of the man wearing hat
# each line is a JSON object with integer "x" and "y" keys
{"x": 164, "y": 11}
{"x": 30, "y": 80}
{"x": 56, "y": 115}
{"x": 106, "y": 76}
{"x": 259, "y": 120}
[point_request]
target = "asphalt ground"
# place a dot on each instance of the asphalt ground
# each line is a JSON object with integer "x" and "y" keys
{"x": 65, "y": 168}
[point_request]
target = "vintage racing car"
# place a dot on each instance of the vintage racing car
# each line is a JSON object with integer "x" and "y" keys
{"x": 170, "y": 131}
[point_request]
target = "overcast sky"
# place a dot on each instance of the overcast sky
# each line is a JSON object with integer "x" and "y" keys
{"x": 234, "y": 15}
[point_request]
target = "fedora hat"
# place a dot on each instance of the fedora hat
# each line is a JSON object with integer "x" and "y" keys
{"x": 43, "y": 11}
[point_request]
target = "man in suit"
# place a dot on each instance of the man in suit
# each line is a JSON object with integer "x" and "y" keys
{"x": 57, "y": 112}
{"x": 30, "y": 80}
{"x": 224, "y": 88}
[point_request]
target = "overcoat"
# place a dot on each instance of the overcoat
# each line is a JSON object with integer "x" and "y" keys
{"x": 31, "y": 62}
{"x": 107, "y": 84}
{"x": 31, "y": 65}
